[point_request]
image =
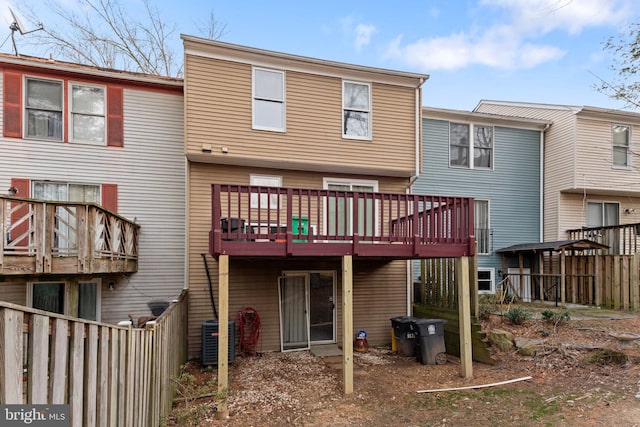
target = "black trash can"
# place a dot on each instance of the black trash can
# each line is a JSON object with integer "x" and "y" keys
{"x": 430, "y": 341}
{"x": 404, "y": 332}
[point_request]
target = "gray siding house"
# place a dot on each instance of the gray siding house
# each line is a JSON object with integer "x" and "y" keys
{"x": 495, "y": 159}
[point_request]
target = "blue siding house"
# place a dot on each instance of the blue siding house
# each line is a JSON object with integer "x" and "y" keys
{"x": 495, "y": 159}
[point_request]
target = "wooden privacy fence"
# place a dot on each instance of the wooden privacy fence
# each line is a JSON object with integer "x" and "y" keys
{"x": 609, "y": 281}
{"x": 108, "y": 375}
{"x": 439, "y": 287}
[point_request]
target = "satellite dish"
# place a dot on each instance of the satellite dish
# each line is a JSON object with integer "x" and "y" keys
{"x": 17, "y": 25}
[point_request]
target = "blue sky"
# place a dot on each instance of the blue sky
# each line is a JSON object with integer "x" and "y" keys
{"x": 547, "y": 51}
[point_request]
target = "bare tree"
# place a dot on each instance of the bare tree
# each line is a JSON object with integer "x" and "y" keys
{"x": 625, "y": 50}
{"x": 103, "y": 33}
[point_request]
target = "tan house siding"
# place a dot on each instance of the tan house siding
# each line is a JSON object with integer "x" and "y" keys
{"x": 219, "y": 102}
{"x": 15, "y": 293}
{"x": 379, "y": 289}
{"x": 594, "y": 157}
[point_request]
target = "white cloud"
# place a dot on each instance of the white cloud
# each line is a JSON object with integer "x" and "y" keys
{"x": 508, "y": 34}
{"x": 571, "y": 16}
{"x": 363, "y": 35}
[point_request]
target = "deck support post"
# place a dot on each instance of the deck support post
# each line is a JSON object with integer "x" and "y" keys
{"x": 223, "y": 337}
{"x": 347, "y": 322}
{"x": 464, "y": 315}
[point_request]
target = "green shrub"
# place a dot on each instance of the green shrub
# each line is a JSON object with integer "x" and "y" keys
{"x": 517, "y": 315}
{"x": 555, "y": 317}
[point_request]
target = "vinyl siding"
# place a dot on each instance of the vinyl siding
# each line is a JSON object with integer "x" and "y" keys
{"x": 379, "y": 289}
{"x": 574, "y": 213}
{"x": 512, "y": 187}
{"x": 149, "y": 171}
{"x": 219, "y": 112}
{"x": 594, "y": 157}
{"x": 559, "y": 157}
{"x": 14, "y": 293}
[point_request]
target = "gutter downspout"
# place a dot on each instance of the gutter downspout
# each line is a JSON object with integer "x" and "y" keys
{"x": 411, "y": 181}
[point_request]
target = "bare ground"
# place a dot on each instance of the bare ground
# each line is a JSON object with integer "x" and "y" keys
{"x": 299, "y": 389}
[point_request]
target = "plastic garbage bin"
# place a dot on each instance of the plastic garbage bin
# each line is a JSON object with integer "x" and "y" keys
{"x": 430, "y": 341}
{"x": 404, "y": 332}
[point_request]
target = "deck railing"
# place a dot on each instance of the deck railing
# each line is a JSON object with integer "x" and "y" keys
{"x": 255, "y": 220}
{"x": 621, "y": 239}
{"x": 64, "y": 238}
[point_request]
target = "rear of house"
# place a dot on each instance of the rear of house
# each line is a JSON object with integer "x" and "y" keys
{"x": 590, "y": 177}
{"x": 109, "y": 143}
{"x": 269, "y": 128}
{"x": 495, "y": 159}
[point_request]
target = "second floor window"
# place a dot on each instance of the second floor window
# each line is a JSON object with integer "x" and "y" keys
{"x": 470, "y": 138}
{"x": 44, "y": 109}
{"x": 268, "y": 99}
{"x": 621, "y": 137}
{"x": 356, "y": 110}
{"x": 88, "y": 114}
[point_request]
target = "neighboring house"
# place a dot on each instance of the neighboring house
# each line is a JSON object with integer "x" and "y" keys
{"x": 495, "y": 159}
{"x": 295, "y": 165}
{"x": 76, "y": 138}
{"x": 590, "y": 164}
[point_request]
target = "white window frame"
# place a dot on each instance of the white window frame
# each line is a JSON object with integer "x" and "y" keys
{"x": 488, "y": 227}
{"x": 368, "y": 111}
{"x": 282, "y": 101}
{"x": 274, "y": 181}
{"x": 351, "y": 182}
{"x": 627, "y": 164}
{"x": 492, "y": 272}
{"x": 26, "y": 108}
{"x": 472, "y": 147}
{"x": 72, "y": 114}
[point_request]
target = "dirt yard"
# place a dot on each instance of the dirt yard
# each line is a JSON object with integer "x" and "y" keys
{"x": 565, "y": 389}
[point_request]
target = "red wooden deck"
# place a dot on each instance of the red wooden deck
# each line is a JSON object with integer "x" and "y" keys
{"x": 256, "y": 221}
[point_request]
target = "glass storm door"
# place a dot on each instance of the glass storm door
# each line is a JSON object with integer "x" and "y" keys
{"x": 307, "y": 309}
{"x": 294, "y": 319}
{"x": 322, "y": 307}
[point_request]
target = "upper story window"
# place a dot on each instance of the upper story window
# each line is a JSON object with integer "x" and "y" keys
{"x": 268, "y": 99}
{"x": 620, "y": 149}
{"x": 44, "y": 109}
{"x": 62, "y": 110}
{"x": 463, "y": 138}
{"x": 356, "y": 110}
{"x": 88, "y": 114}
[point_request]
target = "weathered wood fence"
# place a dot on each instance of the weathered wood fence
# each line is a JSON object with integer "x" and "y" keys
{"x": 108, "y": 375}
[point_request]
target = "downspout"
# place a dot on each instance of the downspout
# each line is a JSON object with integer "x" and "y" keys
{"x": 412, "y": 180}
